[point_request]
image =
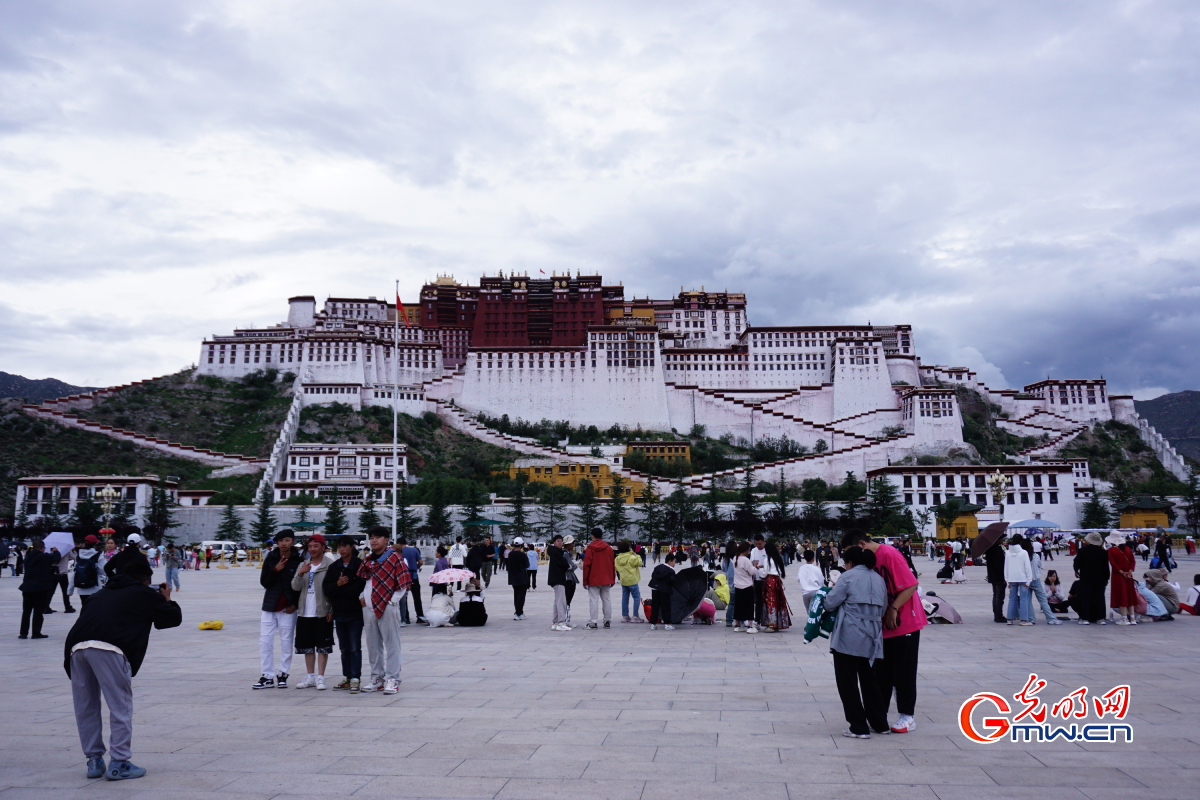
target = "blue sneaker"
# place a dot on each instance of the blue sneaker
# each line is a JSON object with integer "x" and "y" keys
{"x": 95, "y": 767}
{"x": 123, "y": 771}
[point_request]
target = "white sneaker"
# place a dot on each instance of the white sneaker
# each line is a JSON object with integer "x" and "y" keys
{"x": 516, "y": 617}
{"x": 308, "y": 682}
{"x": 751, "y": 630}
{"x": 737, "y": 628}
{"x": 668, "y": 627}
{"x": 653, "y": 627}
{"x": 372, "y": 686}
{"x": 320, "y": 683}
{"x": 390, "y": 686}
{"x": 905, "y": 724}
{"x": 521, "y": 617}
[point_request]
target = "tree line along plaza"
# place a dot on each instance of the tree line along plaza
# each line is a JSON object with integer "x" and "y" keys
{"x": 845, "y": 400}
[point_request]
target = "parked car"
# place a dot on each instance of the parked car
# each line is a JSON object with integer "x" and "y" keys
{"x": 228, "y": 548}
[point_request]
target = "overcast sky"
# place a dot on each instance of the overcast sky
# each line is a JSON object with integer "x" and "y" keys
{"x": 1017, "y": 180}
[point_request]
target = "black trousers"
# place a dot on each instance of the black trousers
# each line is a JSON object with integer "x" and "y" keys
{"x": 418, "y": 606}
{"x": 660, "y": 606}
{"x": 998, "y": 602}
{"x": 758, "y": 599}
{"x": 898, "y": 670}
{"x": 63, "y": 580}
{"x": 533, "y": 579}
{"x": 32, "y": 604}
{"x": 519, "y": 599}
{"x": 570, "y": 587}
{"x": 861, "y": 701}
{"x": 1093, "y": 607}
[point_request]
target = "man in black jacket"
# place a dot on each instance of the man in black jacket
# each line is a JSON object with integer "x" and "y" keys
{"x": 1091, "y": 567}
{"x": 994, "y": 558}
{"x": 556, "y": 579}
{"x": 343, "y": 588}
{"x": 278, "y": 610}
{"x": 37, "y": 587}
{"x": 104, "y": 650}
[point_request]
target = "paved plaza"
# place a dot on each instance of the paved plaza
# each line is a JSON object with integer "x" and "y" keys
{"x": 515, "y": 711}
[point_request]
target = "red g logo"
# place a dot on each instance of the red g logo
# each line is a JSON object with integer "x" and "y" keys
{"x": 997, "y": 726}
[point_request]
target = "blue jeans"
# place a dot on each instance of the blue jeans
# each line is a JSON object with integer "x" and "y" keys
{"x": 349, "y": 635}
{"x": 729, "y": 606}
{"x": 635, "y": 592}
{"x": 1019, "y": 602}
{"x": 1039, "y": 594}
{"x": 173, "y": 577}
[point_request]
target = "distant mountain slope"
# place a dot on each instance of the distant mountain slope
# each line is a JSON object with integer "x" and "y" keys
{"x": 1177, "y": 417}
{"x": 37, "y": 390}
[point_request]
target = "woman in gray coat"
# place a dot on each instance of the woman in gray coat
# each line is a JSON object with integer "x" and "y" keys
{"x": 859, "y": 597}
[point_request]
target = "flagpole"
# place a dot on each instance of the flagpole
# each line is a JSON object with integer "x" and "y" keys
{"x": 395, "y": 396}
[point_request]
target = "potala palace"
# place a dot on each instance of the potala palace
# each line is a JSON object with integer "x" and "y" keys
{"x": 571, "y": 348}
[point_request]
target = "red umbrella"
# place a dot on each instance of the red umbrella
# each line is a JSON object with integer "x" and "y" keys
{"x": 988, "y": 537}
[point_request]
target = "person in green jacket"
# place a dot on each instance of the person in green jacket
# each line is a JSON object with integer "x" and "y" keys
{"x": 629, "y": 569}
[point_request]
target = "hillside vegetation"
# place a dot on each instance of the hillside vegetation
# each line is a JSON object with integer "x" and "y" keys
{"x": 242, "y": 416}
{"x": 434, "y": 450}
{"x": 31, "y": 446}
{"x": 36, "y": 390}
{"x": 979, "y": 428}
{"x": 1115, "y": 452}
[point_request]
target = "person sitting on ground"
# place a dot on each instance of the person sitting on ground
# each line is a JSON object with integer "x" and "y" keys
{"x": 1192, "y": 603}
{"x": 1055, "y": 596}
{"x": 1155, "y": 610}
{"x": 1156, "y": 579}
{"x": 471, "y": 611}
{"x": 442, "y": 609}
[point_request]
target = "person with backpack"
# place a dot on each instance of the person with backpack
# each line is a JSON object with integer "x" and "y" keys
{"x": 87, "y": 570}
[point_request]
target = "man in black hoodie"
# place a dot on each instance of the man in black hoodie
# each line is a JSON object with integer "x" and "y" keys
{"x": 37, "y": 587}
{"x": 104, "y": 650}
{"x": 994, "y": 558}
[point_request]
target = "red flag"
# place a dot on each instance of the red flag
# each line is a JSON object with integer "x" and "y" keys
{"x": 542, "y": 271}
{"x": 400, "y": 311}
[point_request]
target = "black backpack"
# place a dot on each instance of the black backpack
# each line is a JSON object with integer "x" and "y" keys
{"x": 87, "y": 573}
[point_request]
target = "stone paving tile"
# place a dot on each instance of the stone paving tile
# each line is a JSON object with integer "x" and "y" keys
{"x": 513, "y": 710}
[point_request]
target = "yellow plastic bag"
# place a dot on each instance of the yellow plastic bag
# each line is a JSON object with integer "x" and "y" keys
{"x": 212, "y": 625}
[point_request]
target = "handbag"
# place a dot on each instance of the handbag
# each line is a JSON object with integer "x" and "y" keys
{"x": 1140, "y": 606}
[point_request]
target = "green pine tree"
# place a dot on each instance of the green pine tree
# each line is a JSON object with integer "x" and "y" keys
{"x": 616, "y": 521}
{"x": 369, "y": 517}
{"x": 85, "y": 519}
{"x": 814, "y": 516}
{"x": 335, "y": 518}
{"x": 588, "y": 516}
{"x": 160, "y": 518}
{"x": 552, "y": 512}
{"x": 652, "y": 515}
{"x": 1118, "y": 495}
{"x": 471, "y": 509}
{"x": 406, "y": 520}
{"x": 883, "y": 505}
{"x": 230, "y": 529}
{"x": 264, "y": 525}
{"x": 681, "y": 510}
{"x": 519, "y": 525}
{"x": 437, "y": 519}
{"x": 781, "y": 508}
{"x": 21, "y": 523}
{"x": 1095, "y": 513}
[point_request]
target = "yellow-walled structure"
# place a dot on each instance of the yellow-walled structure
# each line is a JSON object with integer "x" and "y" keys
{"x": 570, "y": 473}
{"x": 1144, "y": 511}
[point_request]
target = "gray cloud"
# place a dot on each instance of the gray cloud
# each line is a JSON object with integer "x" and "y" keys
{"x": 1015, "y": 179}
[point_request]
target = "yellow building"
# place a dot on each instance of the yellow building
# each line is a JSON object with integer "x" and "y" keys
{"x": 965, "y": 525}
{"x": 570, "y": 473}
{"x": 664, "y": 451}
{"x": 1144, "y": 511}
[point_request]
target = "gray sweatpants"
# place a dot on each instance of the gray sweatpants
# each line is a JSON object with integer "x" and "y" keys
{"x": 560, "y": 605}
{"x": 92, "y": 672}
{"x": 598, "y": 596}
{"x": 383, "y": 641}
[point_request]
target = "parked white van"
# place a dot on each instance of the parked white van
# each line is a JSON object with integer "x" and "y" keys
{"x": 228, "y": 548}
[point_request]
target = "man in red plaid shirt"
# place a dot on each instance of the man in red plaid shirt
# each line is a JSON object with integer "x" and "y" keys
{"x": 388, "y": 581}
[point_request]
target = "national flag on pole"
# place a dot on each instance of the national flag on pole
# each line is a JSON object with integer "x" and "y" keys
{"x": 400, "y": 311}
{"x": 542, "y": 271}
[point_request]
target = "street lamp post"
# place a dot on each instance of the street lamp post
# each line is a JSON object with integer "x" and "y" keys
{"x": 999, "y": 484}
{"x": 107, "y": 495}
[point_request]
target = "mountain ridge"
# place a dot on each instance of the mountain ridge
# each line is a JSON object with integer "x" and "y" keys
{"x": 1177, "y": 417}
{"x": 37, "y": 390}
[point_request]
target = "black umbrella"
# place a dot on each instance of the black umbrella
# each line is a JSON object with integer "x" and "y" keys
{"x": 691, "y": 585}
{"x": 988, "y": 537}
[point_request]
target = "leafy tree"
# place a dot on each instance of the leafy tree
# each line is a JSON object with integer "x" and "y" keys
{"x": 264, "y": 525}
{"x": 821, "y": 446}
{"x": 851, "y": 515}
{"x": 21, "y": 523}
{"x": 335, "y": 518}
{"x": 121, "y": 521}
{"x": 1095, "y": 513}
{"x": 1118, "y": 495}
{"x": 814, "y": 489}
{"x": 947, "y": 512}
{"x": 814, "y": 516}
{"x": 160, "y": 519}
{"x": 588, "y": 516}
{"x": 406, "y": 520}
{"x": 922, "y": 519}
{"x": 368, "y": 518}
{"x": 615, "y": 518}
{"x": 552, "y": 512}
{"x": 850, "y": 489}
{"x": 230, "y": 529}
{"x": 652, "y": 514}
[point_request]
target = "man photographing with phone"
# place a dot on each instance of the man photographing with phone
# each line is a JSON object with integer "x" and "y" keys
{"x": 104, "y": 650}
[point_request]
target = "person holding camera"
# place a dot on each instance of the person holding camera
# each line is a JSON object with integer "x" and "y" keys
{"x": 103, "y": 651}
